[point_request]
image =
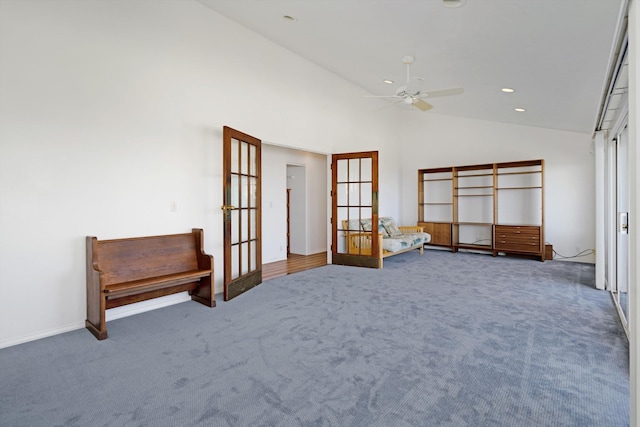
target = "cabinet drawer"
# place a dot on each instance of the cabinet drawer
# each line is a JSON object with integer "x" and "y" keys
{"x": 516, "y": 238}
{"x": 515, "y": 230}
{"x": 522, "y": 238}
{"x": 503, "y": 245}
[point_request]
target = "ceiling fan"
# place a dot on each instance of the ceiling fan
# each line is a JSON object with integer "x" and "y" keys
{"x": 412, "y": 93}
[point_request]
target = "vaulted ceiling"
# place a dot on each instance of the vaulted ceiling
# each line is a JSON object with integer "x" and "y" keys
{"x": 555, "y": 54}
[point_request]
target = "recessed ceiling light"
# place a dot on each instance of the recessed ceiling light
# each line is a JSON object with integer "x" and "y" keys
{"x": 453, "y": 3}
{"x": 520, "y": 110}
{"x": 288, "y": 18}
{"x": 507, "y": 90}
{"x": 387, "y": 81}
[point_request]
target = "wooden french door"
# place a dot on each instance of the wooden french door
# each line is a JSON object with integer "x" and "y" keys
{"x": 242, "y": 212}
{"x": 354, "y": 197}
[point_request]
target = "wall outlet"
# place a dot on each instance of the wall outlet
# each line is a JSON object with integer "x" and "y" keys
{"x": 173, "y": 206}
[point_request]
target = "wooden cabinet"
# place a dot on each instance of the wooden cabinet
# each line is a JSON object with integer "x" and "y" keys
{"x": 440, "y": 232}
{"x": 496, "y": 207}
{"x": 513, "y": 238}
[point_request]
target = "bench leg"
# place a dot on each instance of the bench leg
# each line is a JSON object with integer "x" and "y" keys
{"x": 204, "y": 292}
{"x": 100, "y": 333}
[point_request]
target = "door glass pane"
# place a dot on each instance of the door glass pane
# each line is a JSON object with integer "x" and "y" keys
{"x": 235, "y": 191}
{"x": 253, "y": 190}
{"x": 365, "y": 194}
{"x": 342, "y": 170}
{"x": 234, "y": 155}
{"x": 366, "y": 170}
{"x": 366, "y": 213}
{"x": 342, "y": 191}
{"x": 342, "y": 216}
{"x": 235, "y": 262}
{"x": 244, "y": 194}
{"x": 354, "y": 214}
{"x": 354, "y": 170}
{"x": 244, "y": 225}
{"x": 354, "y": 194}
{"x": 235, "y": 236}
{"x": 252, "y": 224}
{"x": 244, "y": 254}
{"x": 252, "y": 160}
{"x": 252, "y": 257}
{"x": 244, "y": 158}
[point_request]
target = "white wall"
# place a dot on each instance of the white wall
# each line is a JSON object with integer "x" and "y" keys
{"x": 438, "y": 141}
{"x": 112, "y": 110}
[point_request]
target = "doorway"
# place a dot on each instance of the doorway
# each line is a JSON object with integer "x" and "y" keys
{"x": 297, "y": 210}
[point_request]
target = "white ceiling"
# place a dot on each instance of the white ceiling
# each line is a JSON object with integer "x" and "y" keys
{"x": 554, "y": 53}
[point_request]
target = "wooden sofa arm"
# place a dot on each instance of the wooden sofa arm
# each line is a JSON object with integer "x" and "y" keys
{"x": 408, "y": 229}
{"x": 360, "y": 243}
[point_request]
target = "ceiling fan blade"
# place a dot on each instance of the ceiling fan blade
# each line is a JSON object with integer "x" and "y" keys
{"x": 443, "y": 92}
{"x": 390, "y": 104}
{"x": 382, "y": 96}
{"x": 422, "y": 105}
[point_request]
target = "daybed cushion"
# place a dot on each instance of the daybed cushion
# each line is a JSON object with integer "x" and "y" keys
{"x": 404, "y": 241}
{"x": 390, "y": 225}
{"x": 366, "y": 226}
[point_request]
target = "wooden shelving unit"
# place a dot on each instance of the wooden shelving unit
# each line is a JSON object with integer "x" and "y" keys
{"x": 497, "y": 207}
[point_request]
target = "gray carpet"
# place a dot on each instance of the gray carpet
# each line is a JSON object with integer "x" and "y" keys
{"x": 435, "y": 340}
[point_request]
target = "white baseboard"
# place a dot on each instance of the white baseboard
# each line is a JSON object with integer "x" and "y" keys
{"x": 111, "y": 314}
{"x": 40, "y": 335}
{"x": 141, "y": 307}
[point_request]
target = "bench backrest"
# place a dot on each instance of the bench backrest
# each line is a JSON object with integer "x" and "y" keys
{"x": 125, "y": 260}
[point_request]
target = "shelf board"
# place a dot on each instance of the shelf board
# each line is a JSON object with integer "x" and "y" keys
{"x": 478, "y": 186}
{"x": 518, "y": 173}
{"x": 473, "y": 246}
{"x": 438, "y": 203}
{"x": 438, "y": 179}
{"x": 519, "y": 188}
{"x": 487, "y": 224}
{"x": 435, "y": 222}
{"x": 474, "y": 175}
{"x": 474, "y": 195}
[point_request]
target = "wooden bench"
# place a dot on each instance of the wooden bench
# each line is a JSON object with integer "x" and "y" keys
{"x": 125, "y": 271}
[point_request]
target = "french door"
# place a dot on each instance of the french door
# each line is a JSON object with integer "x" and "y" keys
{"x": 242, "y": 212}
{"x": 354, "y": 198}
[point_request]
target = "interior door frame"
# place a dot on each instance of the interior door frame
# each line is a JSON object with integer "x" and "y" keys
{"x": 251, "y": 235}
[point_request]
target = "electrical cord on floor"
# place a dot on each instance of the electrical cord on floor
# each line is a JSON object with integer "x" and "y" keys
{"x": 586, "y": 252}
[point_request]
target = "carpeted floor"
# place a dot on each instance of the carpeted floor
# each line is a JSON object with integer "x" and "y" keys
{"x": 435, "y": 340}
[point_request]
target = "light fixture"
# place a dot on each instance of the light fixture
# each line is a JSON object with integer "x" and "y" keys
{"x": 507, "y": 90}
{"x": 453, "y": 3}
{"x": 387, "y": 81}
{"x": 520, "y": 110}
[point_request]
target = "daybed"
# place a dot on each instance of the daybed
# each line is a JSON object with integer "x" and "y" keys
{"x": 393, "y": 240}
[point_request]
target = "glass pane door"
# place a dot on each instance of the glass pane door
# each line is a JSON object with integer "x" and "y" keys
{"x": 355, "y": 238}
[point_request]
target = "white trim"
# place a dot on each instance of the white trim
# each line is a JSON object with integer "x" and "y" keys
{"x": 44, "y": 334}
{"x": 601, "y": 226}
{"x": 144, "y": 306}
